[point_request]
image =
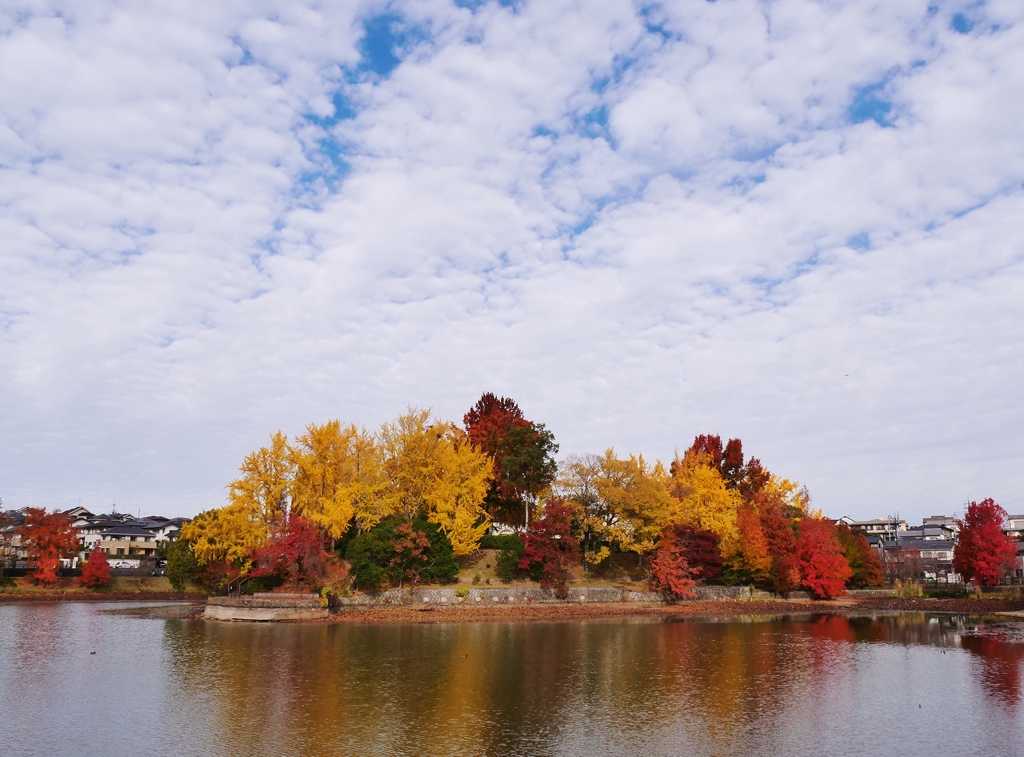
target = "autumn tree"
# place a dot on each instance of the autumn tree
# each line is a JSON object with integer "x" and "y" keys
{"x": 823, "y": 568}
{"x": 227, "y": 534}
{"x": 746, "y": 477}
{"x": 96, "y": 571}
{"x": 620, "y": 503}
{"x": 47, "y": 537}
{"x": 261, "y": 492}
{"x": 550, "y": 547}
{"x": 775, "y": 510}
{"x": 750, "y": 561}
{"x": 294, "y": 554}
{"x": 435, "y": 471}
{"x": 703, "y": 499}
{"x": 983, "y": 553}
{"x": 671, "y": 572}
{"x": 701, "y": 550}
{"x": 522, "y": 454}
{"x": 865, "y": 567}
{"x": 339, "y": 477}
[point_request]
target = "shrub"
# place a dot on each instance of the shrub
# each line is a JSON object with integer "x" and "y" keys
{"x": 507, "y": 563}
{"x": 501, "y": 542}
{"x": 398, "y": 550}
{"x": 96, "y": 571}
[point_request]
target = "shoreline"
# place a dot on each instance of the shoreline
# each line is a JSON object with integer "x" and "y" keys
{"x": 710, "y": 608}
{"x": 113, "y": 596}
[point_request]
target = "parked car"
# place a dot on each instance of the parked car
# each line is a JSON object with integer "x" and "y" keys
{"x": 123, "y": 564}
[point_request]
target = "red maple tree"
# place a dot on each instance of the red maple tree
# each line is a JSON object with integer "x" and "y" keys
{"x": 294, "y": 553}
{"x": 96, "y": 571}
{"x": 823, "y": 567}
{"x": 671, "y": 572}
{"x": 551, "y": 547}
{"x": 701, "y": 550}
{"x": 778, "y": 533}
{"x": 47, "y": 537}
{"x": 983, "y": 553}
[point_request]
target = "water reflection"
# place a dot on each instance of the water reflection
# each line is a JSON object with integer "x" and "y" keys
{"x": 572, "y": 688}
{"x": 803, "y": 685}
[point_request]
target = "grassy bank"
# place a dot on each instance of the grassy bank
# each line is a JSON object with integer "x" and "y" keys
{"x": 67, "y": 589}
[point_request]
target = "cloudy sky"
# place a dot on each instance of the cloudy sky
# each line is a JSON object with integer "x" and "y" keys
{"x": 796, "y": 222}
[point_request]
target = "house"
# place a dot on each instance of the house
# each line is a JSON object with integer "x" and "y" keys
{"x": 883, "y": 529}
{"x": 127, "y": 541}
{"x": 1015, "y": 526}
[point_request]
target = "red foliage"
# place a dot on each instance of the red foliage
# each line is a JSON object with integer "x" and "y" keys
{"x": 701, "y": 550}
{"x": 749, "y": 478}
{"x": 295, "y": 552}
{"x": 983, "y": 553}
{"x": 670, "y": 570}
{"x": 410, "y": 546}
{"x": 778, "y": 534}
{"x": 551, "y": 545}
{"x": 823, "y": 567}
{"x": 96, "y": 571}
{"x": 47, "y": 537}
{"x": 521, "y": 452}
{"x": 865, "y": 567}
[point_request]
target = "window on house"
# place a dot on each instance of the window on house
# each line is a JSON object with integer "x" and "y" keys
{"x": 120, "y": 550}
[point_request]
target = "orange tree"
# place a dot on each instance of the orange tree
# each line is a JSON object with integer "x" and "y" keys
{"x": 47, "y": 537}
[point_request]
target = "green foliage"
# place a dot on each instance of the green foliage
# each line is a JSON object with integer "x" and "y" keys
{"x": 182, "y": 566}
{"x": 262, "y": 584}
{"x": 507, "y": 564}
{"x": 503, "y": 541}
{"x": 462, "y": 592}
{"x": 398, "y": 550}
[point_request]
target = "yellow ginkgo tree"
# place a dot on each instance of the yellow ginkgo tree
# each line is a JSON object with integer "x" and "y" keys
{"x": 434, "y": 471}
{"x": 339, "y": 478}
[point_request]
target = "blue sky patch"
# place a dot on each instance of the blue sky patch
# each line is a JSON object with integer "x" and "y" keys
{"x": 869, "y": 105}
{"x": 961, "y": 24}
{"x": 860, "y": 241}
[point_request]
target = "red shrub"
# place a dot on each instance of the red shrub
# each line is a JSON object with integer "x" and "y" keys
{"x": 96, "y": 571}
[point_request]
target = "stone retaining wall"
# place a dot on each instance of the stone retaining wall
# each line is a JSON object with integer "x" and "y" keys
{"x": 266, "y": 607}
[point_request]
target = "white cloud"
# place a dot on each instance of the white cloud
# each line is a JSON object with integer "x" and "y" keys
{"x": 639, "y": 233}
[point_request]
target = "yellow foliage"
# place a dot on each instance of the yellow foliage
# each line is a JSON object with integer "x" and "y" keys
{"x": 228, "y": 533}
{"x": 795, "y": 496}
{"x": 434, "y": 470}
{"x": 620, "y": 501}
{"x": 455, "y": 501}
{"x": 702, "y": 499}
{"x": 262, "y": 490}
{"x": 339, "y": 476}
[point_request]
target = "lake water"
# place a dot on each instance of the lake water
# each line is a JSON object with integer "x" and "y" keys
{"x": 909, "y": 685}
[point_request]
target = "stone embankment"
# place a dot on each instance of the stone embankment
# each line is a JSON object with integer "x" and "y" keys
{"x": 527, "y": 595}
{"x": 266, "y": 607}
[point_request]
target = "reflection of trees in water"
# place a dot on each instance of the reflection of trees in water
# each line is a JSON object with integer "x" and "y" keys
{"x": 910, "y": 629}
{"x": 999, "y": 668}
{"x": 508, "y": 688}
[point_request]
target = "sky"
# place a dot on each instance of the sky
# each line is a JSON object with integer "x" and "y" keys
{"x": 799, "y": 223}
